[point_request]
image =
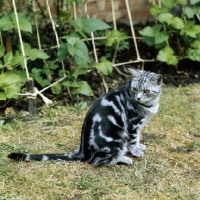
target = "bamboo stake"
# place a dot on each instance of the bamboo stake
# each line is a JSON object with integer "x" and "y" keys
{"x": 20, "y": 39}
{"x": 133, "y": 32}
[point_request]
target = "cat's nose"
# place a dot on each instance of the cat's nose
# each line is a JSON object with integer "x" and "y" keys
{"x": 138, "y": 99}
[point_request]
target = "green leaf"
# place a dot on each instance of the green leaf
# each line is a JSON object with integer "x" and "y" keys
{"x": 147, "y": 31}
{"x": 24, "y": 23}
{"x": 176, "y": 23}
{"x": 84, "y": 88}
{"x": 73, "y": 84}
{"x": 6, "y": 24}
{"x": 88, "y": 25}
{"x": 79, "y": 49}
{"x": 153, "y": 36}
{"x": 57, "y": 88}
{"x": 114, "y": 36}
{"x": 81, "y": 62}
{"x": 150, "y": 31}
{"x": 105, "y": 66}
{"x": 27, "y": 48}
{"x": 182, "y": 2}
{"x": 8, "y": 59}
{"x": 149, "y": 40}
{"x": 53, "y": 66}
{"x": 76, "y": 24}
{"x": 79, "y": 71}
{"x": 44, "y": 82}
{"x": 1, "y": 65}
{"x": 190, "y": 29}
{"x": 71, "y": 40}
{"x": 167, "y": 55}
{"x": 62, "y": 52}
{"x": 168, "y": 3}
{"x": 190, "y": 12}
{"x": 10, "y": 85}
{"x": 36, "y": 71}
{"x": 17, "y": 59}
{"x": 194, "y": 1}
{"x": 2, "y": 50}
{"x": 9, "y": 91}
{"x": 164, "y": 17}
{"x": 21, "y": 74}
{"x": 161, "y": 37}
{"x": 193, "y": 52}
{"x": 155, "y": 9}
{"x": 71, "y": 49}
{"x": 64, "y": 15}
{"x": 94, "y": 24}
{"x": 2, "y": 96}
{"x": 37, "y": 54}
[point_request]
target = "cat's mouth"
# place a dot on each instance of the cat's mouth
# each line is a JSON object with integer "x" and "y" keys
{"x": 142, "y": 103}
{"x": 139, "y": 100}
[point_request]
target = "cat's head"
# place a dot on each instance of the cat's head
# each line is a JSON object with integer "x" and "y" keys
{"x": 146, "y": 87}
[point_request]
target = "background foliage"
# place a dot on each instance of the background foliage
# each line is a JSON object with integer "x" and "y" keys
{"x": 176, "y": 34}
{"x": 50, "y": 62}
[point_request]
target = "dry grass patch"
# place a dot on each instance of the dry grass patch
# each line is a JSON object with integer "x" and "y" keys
{"x": 169, "y": 169}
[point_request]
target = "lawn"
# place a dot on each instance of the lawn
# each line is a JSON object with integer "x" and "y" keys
{"x": 170, "y": 168}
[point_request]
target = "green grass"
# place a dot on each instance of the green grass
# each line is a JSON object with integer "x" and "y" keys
{"x": 170, "y": 168}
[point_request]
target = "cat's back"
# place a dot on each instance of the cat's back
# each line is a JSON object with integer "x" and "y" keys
{"x": 109, "y": 101}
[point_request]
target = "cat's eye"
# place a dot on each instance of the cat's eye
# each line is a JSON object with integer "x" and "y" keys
{"x": 146, "y": 91}
{"x": 135, "y": 89}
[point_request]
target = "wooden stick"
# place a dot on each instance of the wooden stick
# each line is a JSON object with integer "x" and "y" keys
{"x": 31, "y": 101}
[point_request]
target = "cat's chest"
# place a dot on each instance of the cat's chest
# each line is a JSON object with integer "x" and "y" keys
{"x": 139, "y": 120}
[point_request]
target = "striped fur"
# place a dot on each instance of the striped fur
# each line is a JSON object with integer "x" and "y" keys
{"x": 113, "y": 124}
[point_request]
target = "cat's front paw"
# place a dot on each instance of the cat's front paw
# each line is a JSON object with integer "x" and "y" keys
{"x": 142, "y": 147}
{"x": 138, "y": 150}
{"x": 125, "y": 160}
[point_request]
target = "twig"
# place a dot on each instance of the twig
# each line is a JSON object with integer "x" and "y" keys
{"x": 134, "y": 61}
{"x": 120, "y": 72}
{"x": 115, "y": 53}
{"x": 5, "y": 103}
{"x": 52, "y": 84}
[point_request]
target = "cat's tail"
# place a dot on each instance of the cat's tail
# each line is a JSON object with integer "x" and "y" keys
{"x": 73, "y": 156}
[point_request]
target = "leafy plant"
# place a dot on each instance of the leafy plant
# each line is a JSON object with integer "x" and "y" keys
{"x": 115, "y": 42}
{"x": 72, "y": 58}
{"x": 76, "y": 52}
{"x": 176, "y": 34}
{"x": 11, "y": 63}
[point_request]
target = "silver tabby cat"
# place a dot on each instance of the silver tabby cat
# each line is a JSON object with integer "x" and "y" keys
{"x": 113, "y": 124}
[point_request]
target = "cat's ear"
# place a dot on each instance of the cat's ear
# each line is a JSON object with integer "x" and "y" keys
{"x": 134, "y": 73}
{"x": 158, "y": 78}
